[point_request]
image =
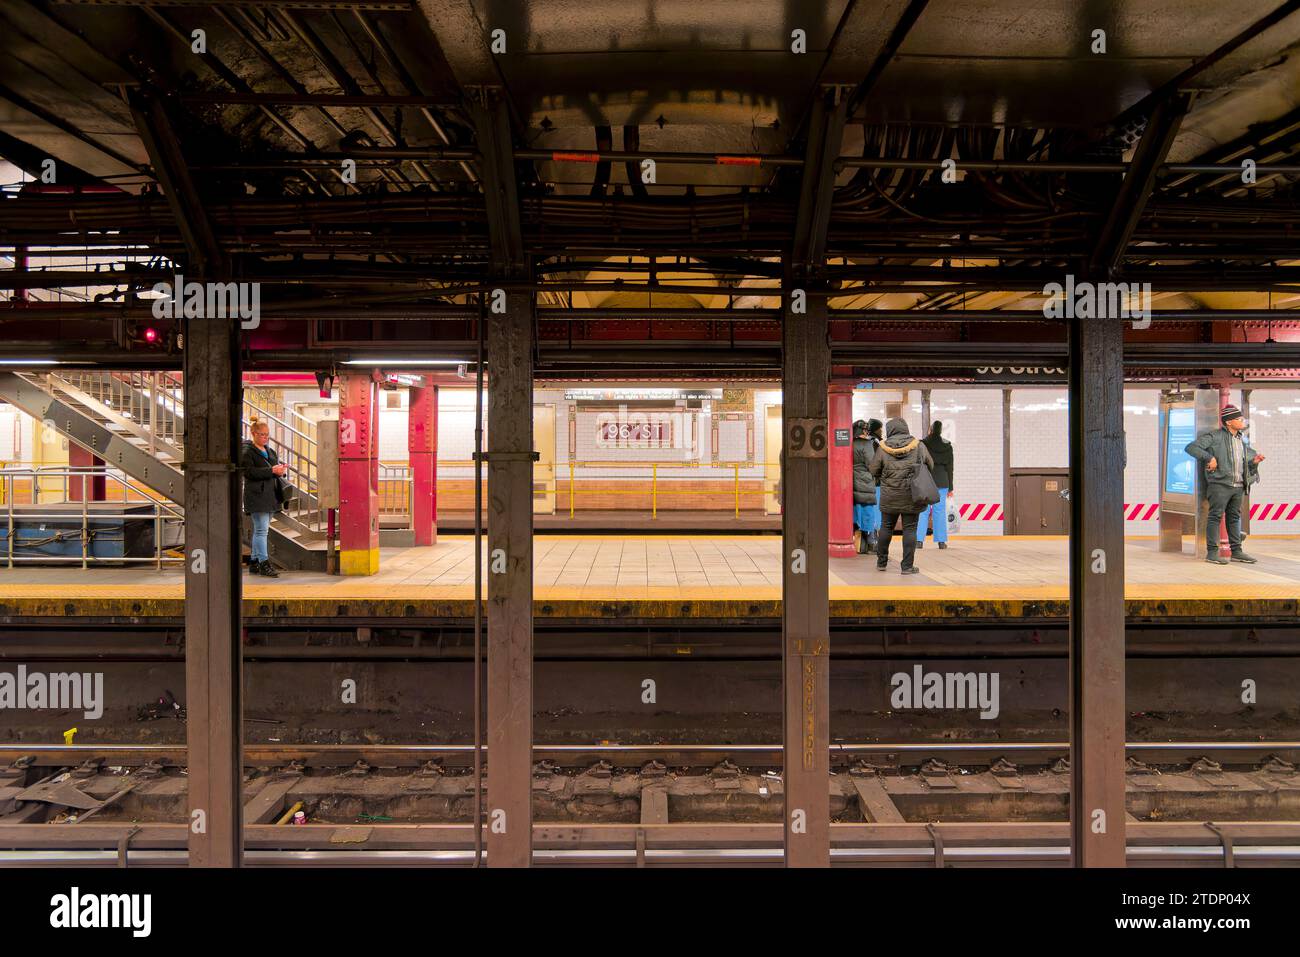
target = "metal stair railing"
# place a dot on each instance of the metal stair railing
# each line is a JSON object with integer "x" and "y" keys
{"x": 162, "y": 514}
{"x": 150, "y": 408}
{"x": 133, "y": 402}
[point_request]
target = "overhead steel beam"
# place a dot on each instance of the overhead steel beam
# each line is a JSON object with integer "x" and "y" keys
{"x": 826, "y": 130}
{"x": 311, "y": 99}
{"x": 1139, "y": 181}
{"x": 169, "y": 167}
{"x": 896, "y": 37}
{"x": 1168, "y": 89}
{"x": 500, "y": 190}
{"x": 391, "y": 6}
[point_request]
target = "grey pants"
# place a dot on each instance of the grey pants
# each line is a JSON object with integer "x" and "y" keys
{"x": 1225, "y": 503}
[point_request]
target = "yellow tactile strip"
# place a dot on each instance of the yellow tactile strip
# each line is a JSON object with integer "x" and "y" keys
{"x": 360, "y": 600}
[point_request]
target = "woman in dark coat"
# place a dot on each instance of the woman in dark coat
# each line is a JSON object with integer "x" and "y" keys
{"x": 866, "y": 504}
{"x": 941, "y": 451}
{"x": 894, "y": 463}
{"x": 262, "y": 470}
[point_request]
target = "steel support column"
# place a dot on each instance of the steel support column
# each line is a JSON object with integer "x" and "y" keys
{"x": 213, "y": 650}
{"x": 358, "y": 498}
{"x": 805, "y": 532}
{"x": 840, "y": 470}
{"x": 806, "y": 584}
{"x": 510, "y": 584}
{"x": 422, "y": 452}
{"x": 1097, "y": 712}
{"x": 510, "y": 355}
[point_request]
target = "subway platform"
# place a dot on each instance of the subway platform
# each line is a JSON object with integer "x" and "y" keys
{"x": 666, "y": 577}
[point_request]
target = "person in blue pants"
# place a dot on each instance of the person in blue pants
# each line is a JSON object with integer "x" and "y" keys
{"x": 941, "y": 451}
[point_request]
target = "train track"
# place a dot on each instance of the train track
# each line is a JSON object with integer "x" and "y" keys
{"x": 672, "y": 755}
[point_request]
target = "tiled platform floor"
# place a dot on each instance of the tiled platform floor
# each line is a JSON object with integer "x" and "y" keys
{"x": 740, "y": 566}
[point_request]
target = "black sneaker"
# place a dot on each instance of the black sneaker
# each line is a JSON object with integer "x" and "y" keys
{"x": 1216, "y": 559}
{"x": 1243, "y": 557}
{"x": 254, "y": 568}
{"x": 943, "y": 544}
{"x": 267, "y": 569}
{"x": 910, "y": 571}
{"x": 881, "y": 567}
{"x": 920, "y": 545}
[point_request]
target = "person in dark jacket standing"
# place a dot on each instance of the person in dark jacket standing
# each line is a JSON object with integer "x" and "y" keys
{"x": 894, "y": 464}
{"x": 262, "y": 471}
{"x": 1231, "y": 468}
{"x": 866, "y": 506}
{"x": 940, "y": 450}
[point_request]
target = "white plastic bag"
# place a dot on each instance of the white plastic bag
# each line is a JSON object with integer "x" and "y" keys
{"x": 954, "y": 515}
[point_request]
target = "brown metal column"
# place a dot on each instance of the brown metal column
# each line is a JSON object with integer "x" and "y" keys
{"x": 1097, "y": 713}
{"x": 805, "y": 592}
{"x": 510, "y": 584}
{"x": 213, "y": 655}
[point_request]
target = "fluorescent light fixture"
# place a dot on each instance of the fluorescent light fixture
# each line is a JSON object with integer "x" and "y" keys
{"x": 30, "y": 362}
{"x": 403, "y": 363}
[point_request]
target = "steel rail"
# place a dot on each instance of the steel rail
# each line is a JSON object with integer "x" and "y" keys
{"x": 674, "y": 755}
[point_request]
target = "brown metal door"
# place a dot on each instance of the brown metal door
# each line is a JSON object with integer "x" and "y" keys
{"x": 1028, "y": 498}
{"x": 1055, "y": 506}
{"x": 1040, "y": 506}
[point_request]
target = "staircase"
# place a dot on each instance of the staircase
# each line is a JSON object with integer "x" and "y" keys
{"x": 135, "y": 422}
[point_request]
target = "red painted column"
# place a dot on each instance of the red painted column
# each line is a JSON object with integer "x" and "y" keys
{"x": 422, "y": 450}
{"x": 374, "y": 436}
{"x": 96, "y": 486}
{"x": 840, "y": 471}
{"x": 358, "y": 500}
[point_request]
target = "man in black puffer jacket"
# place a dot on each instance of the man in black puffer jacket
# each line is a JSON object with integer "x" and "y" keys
{"x": 893, "y": 466}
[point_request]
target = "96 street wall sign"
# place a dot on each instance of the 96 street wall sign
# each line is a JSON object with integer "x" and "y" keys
{"x": 805, "y": 438}
{"x": 1020, "y": 373}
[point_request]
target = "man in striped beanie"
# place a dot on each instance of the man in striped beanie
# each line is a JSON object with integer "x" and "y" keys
{"x": 1231, "y": 468}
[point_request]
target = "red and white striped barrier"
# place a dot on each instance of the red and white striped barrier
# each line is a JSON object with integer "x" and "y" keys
{"x": 1138, "y": 511}
{"x": 980, "y": 512}
{"x": 1274, "y": 511}
{"x": 1259, "y": 512}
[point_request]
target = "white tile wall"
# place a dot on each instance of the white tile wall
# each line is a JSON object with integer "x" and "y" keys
{"x": 1142, "y": 467}
{"x": 12, "y": 429}
{"x": 733, "y": 439}
{"x": 1040, "y": 428}
{"x": 1275, "y": 432}
{"x": 972, "y": 422}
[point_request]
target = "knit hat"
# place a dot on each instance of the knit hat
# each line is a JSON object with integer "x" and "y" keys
{"x": 1229, "y": 413}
